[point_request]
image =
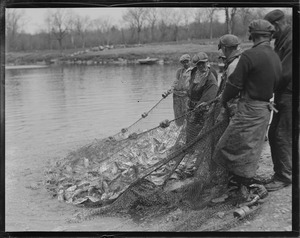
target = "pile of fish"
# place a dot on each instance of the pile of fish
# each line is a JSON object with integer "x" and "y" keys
{"x": 100, "y": 172}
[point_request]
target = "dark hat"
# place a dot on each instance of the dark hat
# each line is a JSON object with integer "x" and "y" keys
{"x": 200, "y": 57}
{"x": 185, "y": 57}
{"x": 261, "y": 27}
{"x": 228, "y": 40}
{"x": 274, "y": 16}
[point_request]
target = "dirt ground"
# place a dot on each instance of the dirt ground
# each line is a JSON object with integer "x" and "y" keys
{"x": 35, "y": 210}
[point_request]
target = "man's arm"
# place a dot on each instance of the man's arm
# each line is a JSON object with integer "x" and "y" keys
{"x": 210, "y": 90}
{"x": 286, "y": 67}
{"x": 235, "y": 82}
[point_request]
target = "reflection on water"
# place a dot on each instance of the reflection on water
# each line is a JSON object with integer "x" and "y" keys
{"x": 55, "y": 106}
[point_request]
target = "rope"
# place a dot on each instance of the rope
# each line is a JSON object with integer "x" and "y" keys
{"x": 144, "y": 115}
{"x": 154, "y": 128}
{"x": 171, "y": 156}
{"x": 177, "y": 153}
{"x": 187, "y": 113}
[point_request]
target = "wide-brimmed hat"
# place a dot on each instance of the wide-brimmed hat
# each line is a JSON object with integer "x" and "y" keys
{"x": 273, "y": 16}
{"x": 185, "y": 57}
{"x": 228, "y": 40}
{"x": 200, "y": 57}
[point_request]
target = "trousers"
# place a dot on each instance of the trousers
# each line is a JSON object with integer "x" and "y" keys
{"x": 280, "y": 138}
{"x": 180, "y": 108}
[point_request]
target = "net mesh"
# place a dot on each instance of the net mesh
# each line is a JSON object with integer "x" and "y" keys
{"x": 141, "y": 165}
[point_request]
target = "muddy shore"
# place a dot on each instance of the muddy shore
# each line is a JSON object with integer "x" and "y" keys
{"x": 275, "y": 215}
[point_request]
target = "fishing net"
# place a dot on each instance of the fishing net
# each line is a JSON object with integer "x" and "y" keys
{"x": 146, "y": 165}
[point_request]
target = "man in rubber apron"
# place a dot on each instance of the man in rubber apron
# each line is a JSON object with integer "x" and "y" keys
{"x": 280, "y": 132}
{"x": 203, "y": 87}
{"x": 255, "y": 77}
{"x": 179, "y": 88}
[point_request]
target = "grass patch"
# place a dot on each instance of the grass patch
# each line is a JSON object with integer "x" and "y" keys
{"x": 166, "y": 51}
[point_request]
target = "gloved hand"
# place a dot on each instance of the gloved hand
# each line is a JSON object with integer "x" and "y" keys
{"x": 164, "y": 123}
{"x": 231, "y": 109}
{"x": 223, "y": 115}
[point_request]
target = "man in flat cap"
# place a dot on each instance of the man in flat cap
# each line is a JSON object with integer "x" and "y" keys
{"x": 180, "y": 87}
{"x": 229, "y": 45}
{"x": 280, "y": 132}
{"x": 256, "y": 75}
{"x": 203, "y": 87}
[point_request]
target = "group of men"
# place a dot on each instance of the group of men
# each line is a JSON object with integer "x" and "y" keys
{"x": 251, "y": 78}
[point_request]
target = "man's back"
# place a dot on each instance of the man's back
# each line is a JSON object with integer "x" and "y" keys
{"x": 258, "y": 72}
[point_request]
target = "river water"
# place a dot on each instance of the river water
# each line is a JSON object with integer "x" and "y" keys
{"x": 53, "y": 110}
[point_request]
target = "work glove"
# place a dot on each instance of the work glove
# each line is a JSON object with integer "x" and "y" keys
{"x": 164, "y": 123}
{"x": 223, "y": 115}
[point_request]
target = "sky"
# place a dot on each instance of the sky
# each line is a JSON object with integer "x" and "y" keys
{"x": 34, "y": 17}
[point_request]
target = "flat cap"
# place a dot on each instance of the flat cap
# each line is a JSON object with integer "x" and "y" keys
{"x": 228, "y": 40}
{"x": 185, "y": 57}
{"x": 274, "y": 16}
{"x": 200, "y": 57}
{"x": 261, "y": 26}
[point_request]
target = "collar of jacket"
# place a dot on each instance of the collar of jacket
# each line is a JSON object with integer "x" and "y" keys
{"x": 235, "y": 54}
{"x": 264, "y": 42}
{"x": 282, "y": 38}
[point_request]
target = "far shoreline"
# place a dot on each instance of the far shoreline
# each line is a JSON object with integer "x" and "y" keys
{"x": 167, "y": 53}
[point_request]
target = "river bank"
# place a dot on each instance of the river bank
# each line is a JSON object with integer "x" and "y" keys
{"x": 166, "y": 53}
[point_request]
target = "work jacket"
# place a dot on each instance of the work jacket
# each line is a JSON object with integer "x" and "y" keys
{"x": 283, "y": 47}
{"x": 229, "y": 67}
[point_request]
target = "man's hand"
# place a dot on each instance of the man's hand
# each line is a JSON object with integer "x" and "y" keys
{"x": 222, "y": 115}
{"x": 229, "y": 92}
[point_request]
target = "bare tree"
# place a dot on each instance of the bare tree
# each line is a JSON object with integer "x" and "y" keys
{"x": 164, "y": 22}
{"x": 246, "y": 16}
{"x": 152, "y": 18}
{"x": 175, "y": 19}
{"x": 82, "y": 25}
{"x": 259, "y": 13}
{"x": 186, "y": 15}
{"x": 136, "y": 18}
{"x": 210, "y": 13}
{"x": 230, "y": 13}
{"x": 198, "y": 16}
{"x": 60, "y": 24}
{"x": 47, "y": 21}
{"x": 14, "y": 19}
{"x": 106, "y": 26}
{"x": 97, "y": 25}
{"x": 72, "y": 29}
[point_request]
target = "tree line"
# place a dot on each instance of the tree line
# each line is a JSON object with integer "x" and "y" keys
{"x": 63, "y": 29}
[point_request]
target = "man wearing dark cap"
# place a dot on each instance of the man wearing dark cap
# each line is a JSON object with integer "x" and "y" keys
{"x": 203, "y": 87}
{"x": 180, "y": 87}
{"x": 256, "y": 75}
{"x": 229, "y": 44}
{"x": 280, "y": 132}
